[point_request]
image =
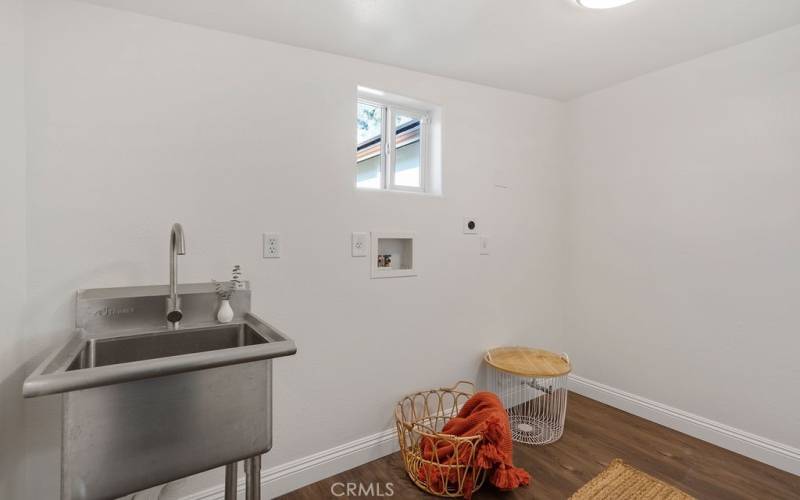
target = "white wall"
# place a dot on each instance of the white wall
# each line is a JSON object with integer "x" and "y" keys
{"x": 12, "y": 243}
{"x": 683, "y": 230}
{"x": 136, "y": 122}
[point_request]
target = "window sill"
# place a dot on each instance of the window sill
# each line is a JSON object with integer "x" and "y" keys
{"x": 400, "y": 192}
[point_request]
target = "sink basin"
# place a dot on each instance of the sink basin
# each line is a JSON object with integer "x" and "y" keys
{"x": 144, "y": 405}
{"x": 130, "y": 348}
{"x": 91, "y": 360}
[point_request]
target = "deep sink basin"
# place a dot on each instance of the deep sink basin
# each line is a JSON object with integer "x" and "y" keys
{"x": 93, "y": 360}
{"x": 144, "y": 405}
{"x": 122, "y": 336}
{"x": 127, "y": 349}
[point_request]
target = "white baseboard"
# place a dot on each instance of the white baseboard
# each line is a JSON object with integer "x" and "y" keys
{"x": 765, "y": 450}
{"x": 287, "y": 477}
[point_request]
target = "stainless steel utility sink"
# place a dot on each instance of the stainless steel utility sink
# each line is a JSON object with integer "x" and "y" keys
{"x": 144, "y": 405}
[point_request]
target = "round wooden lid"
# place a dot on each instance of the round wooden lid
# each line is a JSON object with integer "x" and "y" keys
{"x": 528, "y": 362}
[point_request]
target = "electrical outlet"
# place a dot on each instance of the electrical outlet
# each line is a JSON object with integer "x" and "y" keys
{"x": 359, "y": 243}
{"x": 272, "y": 245}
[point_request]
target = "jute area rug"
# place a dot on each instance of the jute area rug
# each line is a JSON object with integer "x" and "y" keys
{"x": 620, "y": 481}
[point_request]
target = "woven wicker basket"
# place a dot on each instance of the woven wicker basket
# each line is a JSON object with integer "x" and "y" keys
{"x": 420, "y": 418}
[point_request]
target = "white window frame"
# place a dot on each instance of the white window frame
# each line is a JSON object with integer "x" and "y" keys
{"x": 389, "y": 111}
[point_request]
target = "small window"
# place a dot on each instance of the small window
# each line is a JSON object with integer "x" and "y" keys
{"x": 392, "y": 146}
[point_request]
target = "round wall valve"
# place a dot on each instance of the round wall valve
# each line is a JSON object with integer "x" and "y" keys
{"x": 470, "y": 225}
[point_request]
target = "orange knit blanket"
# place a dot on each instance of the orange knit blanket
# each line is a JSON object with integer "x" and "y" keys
{"x": 482, "y": 415}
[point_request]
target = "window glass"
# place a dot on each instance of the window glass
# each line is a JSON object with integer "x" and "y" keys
{"x": 407, "y": 164}
{"x": 369, "y": 127}
{"x": 369, "y": 121}
{"x": 368, "y": 173}
{"x": 401, "y": 120}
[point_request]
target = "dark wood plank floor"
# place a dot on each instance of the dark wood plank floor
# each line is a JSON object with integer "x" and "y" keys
{"x": 595, "y": 434}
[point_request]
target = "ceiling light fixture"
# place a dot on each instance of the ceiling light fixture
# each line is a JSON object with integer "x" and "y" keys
{"x": 602, "y": 4}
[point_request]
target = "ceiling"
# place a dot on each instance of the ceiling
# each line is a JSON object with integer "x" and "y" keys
{"x": 550, "y": 48}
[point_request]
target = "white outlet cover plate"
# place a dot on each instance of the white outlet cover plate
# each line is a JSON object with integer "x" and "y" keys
{"x": 272, "y": 245}
{"x": 474, "y": 229}
{"x": 484, "y": 245}
{"x": 359, "y": 244}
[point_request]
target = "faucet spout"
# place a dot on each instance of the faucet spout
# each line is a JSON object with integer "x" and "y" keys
{"x": 177, "y": 246}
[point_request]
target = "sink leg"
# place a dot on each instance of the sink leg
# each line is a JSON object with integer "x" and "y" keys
{"x": 252, "y": 470}
{"x": 231, "y": 480}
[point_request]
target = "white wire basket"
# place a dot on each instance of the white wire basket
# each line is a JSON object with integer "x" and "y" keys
{"x": 532, "y": 384}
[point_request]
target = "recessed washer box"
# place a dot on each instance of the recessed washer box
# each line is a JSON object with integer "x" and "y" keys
{"x": 399, "y": 246}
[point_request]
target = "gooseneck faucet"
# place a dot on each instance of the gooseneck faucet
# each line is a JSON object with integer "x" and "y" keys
{"x": 177, "y": 246}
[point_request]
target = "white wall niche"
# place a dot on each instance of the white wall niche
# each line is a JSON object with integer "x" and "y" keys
{"x": 400, "y": 246}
